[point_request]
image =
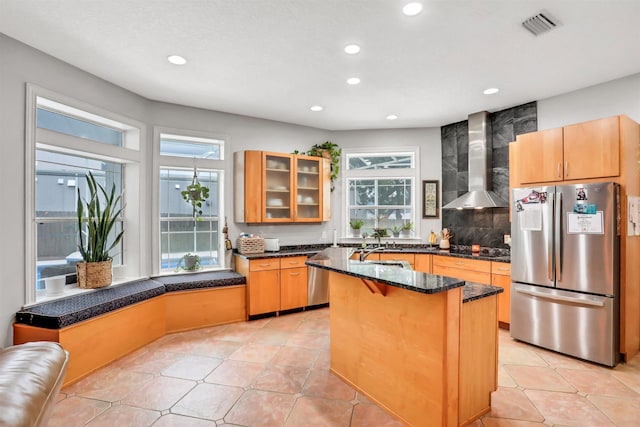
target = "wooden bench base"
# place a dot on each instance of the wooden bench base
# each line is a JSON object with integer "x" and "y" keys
{"x": 98, "y": 341}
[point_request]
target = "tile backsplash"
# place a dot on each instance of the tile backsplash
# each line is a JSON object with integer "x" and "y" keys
{"x": 487, "y": 226}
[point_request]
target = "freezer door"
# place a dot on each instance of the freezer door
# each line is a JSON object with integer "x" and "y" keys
{"x": 588, "y": 243}
{"x": 532, "y": 256}
{"x": 576, "y": 324}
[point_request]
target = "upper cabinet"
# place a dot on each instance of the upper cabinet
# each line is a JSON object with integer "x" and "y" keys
{"x": 580, "y": 151}
{"x": 281, "y": 188}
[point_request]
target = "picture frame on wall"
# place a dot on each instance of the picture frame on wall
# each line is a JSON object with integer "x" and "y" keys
{"x": 430, "y": 199}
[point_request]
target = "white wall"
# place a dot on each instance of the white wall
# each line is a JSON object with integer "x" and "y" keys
{"x": 621, "y": 96}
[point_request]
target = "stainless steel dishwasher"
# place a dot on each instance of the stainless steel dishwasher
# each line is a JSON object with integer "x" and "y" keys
{"x": 317, "y": 286}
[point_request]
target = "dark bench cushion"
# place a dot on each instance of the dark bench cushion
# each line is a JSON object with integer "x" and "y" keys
{"x": 213, "y": 279}
{"x": 31, "y": 375}
{"x": 76, "y": 308}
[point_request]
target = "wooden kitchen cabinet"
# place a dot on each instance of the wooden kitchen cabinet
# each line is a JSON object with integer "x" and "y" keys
{"x": 501, "y": 276}
{"x": 472, "y": 270}
{"x": 581, "y": 151}
{"x": 281, "y": 188}
{"x": 293, "y": 282}
{"x": 274, "y": 284}
{"x": 423, "y": 263}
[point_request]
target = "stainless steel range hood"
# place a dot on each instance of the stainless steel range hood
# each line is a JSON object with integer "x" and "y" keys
{"x": 480, "y": 193}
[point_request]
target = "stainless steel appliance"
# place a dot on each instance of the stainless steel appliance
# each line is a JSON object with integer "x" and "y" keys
{"x": 317, "y": 286}
{"x": 565, "y": 269}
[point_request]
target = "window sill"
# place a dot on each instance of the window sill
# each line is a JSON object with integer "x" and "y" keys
{"x": 73, "y": 289}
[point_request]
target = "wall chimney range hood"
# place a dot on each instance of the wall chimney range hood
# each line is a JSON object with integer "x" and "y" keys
{"x": 480, "y": 193}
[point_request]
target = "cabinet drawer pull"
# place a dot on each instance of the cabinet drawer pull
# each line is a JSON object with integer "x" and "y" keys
{"x": 294, "y": 262}
{"x": 459, "y": 263}
{"x": 266, "y": 265}
{"x": 503, "y": 269}
{"x": 294, "y": 274}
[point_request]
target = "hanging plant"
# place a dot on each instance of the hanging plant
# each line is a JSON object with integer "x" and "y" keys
{"x": 195, "y": 194}
{"x": 332, "y": 152}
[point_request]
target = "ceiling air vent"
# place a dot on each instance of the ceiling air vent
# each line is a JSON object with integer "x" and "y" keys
{"x": 540, "y": 23}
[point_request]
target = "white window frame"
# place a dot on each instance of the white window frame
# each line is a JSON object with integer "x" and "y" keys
{"x": 175, "y": 162}
{"x": 130, "y": 155}
{"x": 408, "y": 173}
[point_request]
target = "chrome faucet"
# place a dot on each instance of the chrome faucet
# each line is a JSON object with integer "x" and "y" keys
{"x": 364, "y": 255}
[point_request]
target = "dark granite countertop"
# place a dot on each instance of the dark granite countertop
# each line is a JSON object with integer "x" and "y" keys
{"x": 337, "y": 259}
{"x": 473, "y": 291}
{"x": 462, "y": 252}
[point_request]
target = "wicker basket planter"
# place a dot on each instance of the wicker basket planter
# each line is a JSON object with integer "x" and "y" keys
{"x": 94, "y": 274}
{"x": 250, "y": 245}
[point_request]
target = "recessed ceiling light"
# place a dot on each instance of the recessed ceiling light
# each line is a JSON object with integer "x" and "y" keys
{"x": 176, "y": 60}
{"x": 491, "y": 91}
{"x": 316, "y": 108}
{"x": 392, "y": 117}
{"x": 412, "y": 9}
{"x": 352, "y": 49}
{"x": 353, "y": 81}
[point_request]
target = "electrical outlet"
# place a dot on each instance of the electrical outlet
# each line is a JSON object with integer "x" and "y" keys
{"x": 324, "y": 234}
{"x": 507, "y": 239}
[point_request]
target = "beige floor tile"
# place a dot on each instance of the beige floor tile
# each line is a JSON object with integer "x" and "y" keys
{"x": 252, "y": 324}
{"x": 259, "y": 408}
{"x": 365, "y": 415}
{"x": 295, "y": 356}
{"x": 110, "y": 385}
{"x": 283, "y": 323}
{"x": 324, "y": 360}
{"x": 212, "y": 347}
{"x": 281, "y": 378}
{"x": 307, "y": 340}
{"x": 628, "y": 375}
{"x": 557, "y": 360}
{"x": 235, "y": 373}
{"x": 160, "y": 394}
{"x": 271, "y": 337}
{"x": 314, "y": 326}
{"x": 512, "y": 403}
{"x": 254, "y": 352}
{"x": 181, "y": 343}
{"x": 322, "y": 383}
{"x": 125, "y": 416}
{"x": 173, "y": 420}
{"x": 236, "y": 333}
{"x": 208, "y": 401}
{"x": 596, "y": 382}
{"x": 192, "y": 367}
{"x": 504, "y": 379}
{"x": 569, "y": 409}
{"x": 624, "y": 412}
{"x": 519, "y": 355}
{"x": 152, "y": 362}
{"x": 316, "y": 411}
{"x": 538, "y": 378}
{"x": 503, "y": 422}
{"x": 76, "y": 411}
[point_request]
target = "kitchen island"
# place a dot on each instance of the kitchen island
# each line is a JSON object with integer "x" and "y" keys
{"x": 414, "y": 343}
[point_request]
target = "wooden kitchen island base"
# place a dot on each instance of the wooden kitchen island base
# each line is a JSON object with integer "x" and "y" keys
{"x": 428, "y": 359}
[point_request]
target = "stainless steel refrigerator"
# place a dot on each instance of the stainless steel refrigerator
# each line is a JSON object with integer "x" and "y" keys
{"x": 565, "y": 269}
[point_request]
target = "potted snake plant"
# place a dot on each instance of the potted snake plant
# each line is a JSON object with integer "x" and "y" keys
{"x": 102, "y": 210}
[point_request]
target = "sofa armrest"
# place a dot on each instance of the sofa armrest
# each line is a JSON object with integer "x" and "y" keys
{"x": 31, "y": 376}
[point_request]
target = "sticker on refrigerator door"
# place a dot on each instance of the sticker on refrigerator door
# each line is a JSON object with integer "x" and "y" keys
{"x": 585, "y": 223}
{"x": 582, "y": 194}
{"x": 633, "y": 216}
{"x": 585, "y": 208}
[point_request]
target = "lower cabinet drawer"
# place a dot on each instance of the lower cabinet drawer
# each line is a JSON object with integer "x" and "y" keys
{"x": 264, "y": 264}
{"x": 467, "y": 275}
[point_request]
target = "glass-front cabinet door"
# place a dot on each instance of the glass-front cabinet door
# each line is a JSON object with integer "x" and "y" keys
{"x": 308, "y": 197}
{"x": 278, "y": 187}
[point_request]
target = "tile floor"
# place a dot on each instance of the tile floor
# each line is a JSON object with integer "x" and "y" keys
{"x": 274, "y": 372}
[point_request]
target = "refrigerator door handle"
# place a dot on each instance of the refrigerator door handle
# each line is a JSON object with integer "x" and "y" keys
{"x": 551, "y": 243}
{"x": 561, "y": 298}
{"x": 558, "y": 237}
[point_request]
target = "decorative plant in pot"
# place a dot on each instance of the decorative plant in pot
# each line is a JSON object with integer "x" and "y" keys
{"x": 102, "y": 212}
{"x": 189, "y": 262}
{"x": 356, "y": 225}
{"x": 195, "y": 194}
{"x": 330, "y": 151}
{"x": 406, "y": 229}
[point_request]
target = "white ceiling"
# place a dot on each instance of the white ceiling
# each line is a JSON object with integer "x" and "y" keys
{"x": 274, "y": 59}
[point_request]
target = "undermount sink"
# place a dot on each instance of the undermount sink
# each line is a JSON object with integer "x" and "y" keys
{"x": 389, "y": 263}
